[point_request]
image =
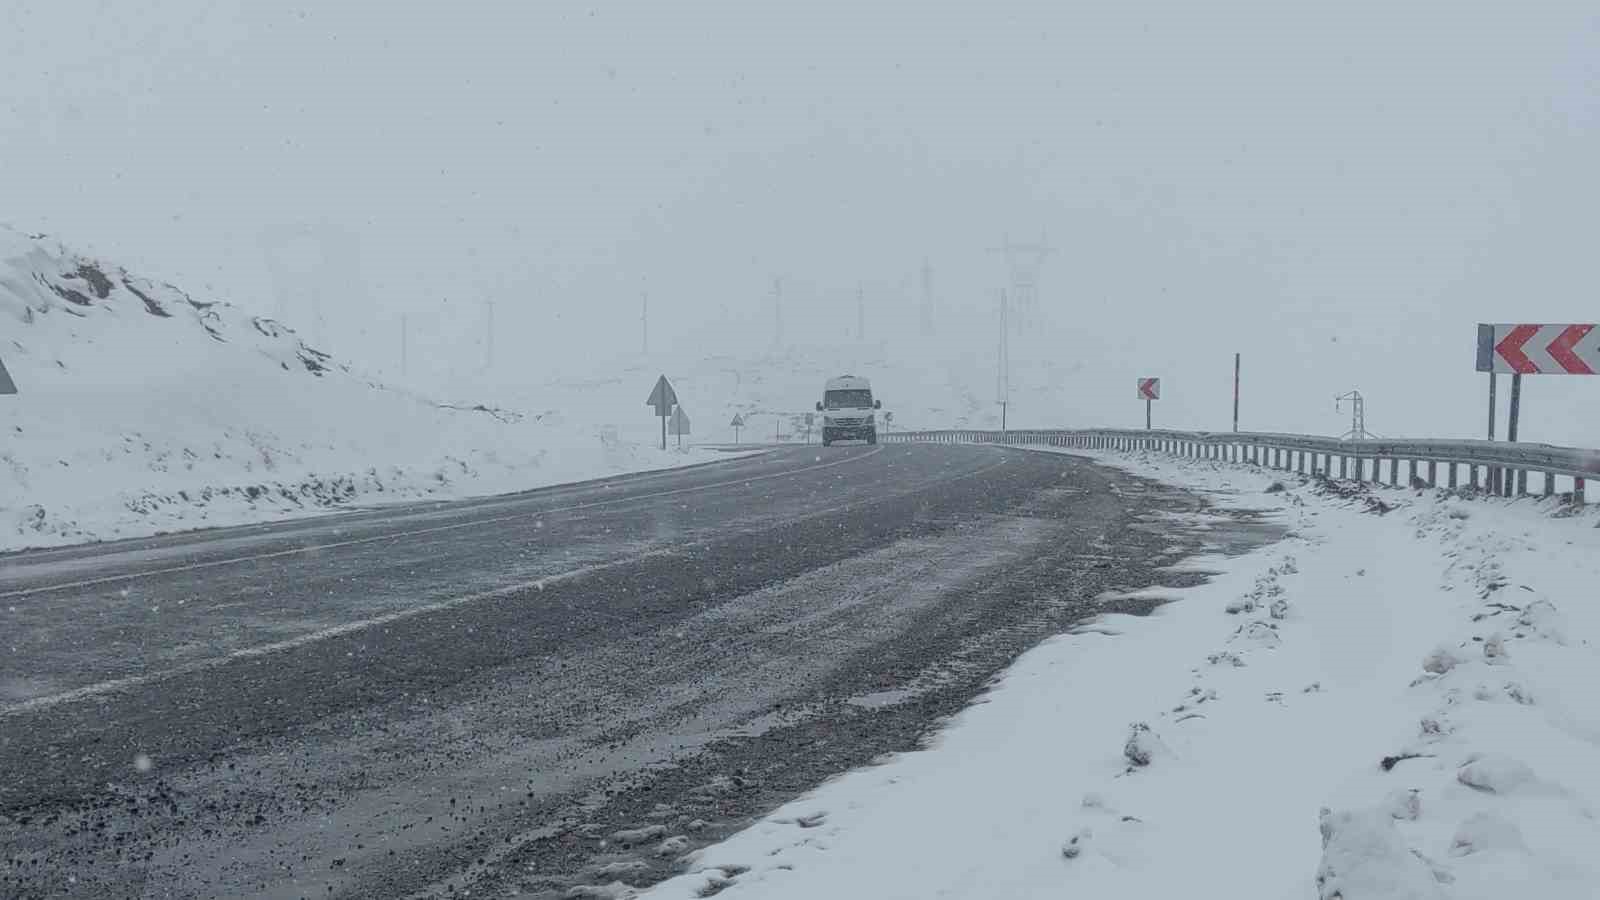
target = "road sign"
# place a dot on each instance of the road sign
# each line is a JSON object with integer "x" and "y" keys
{"x": 738, "y": 421}
{"x": 679, "y": 424}
{"x": 1539, "y": 349}
{"x": 1149, "y": 389}
{"x": 663, "y": 398}
{"x": 7, "y": 386}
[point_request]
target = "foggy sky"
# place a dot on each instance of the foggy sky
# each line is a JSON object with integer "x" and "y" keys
{"x": 1339, "y": 191}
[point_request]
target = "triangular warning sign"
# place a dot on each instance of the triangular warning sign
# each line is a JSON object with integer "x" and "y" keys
{"x": 679, "y": 423}
{"x": 663, "y": 397}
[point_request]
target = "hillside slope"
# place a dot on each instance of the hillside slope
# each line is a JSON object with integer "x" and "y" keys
{"x": 143, "y": 408}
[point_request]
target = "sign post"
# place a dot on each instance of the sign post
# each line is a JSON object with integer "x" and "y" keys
{"x": 663, "y": 398}
{"x": 1236, "y": 357}
{"x": 1511, "y": 434}
{"x": 736, "y": 424}
{"x": 1149, "y": 391}
{"x": 811, "y": 418}
{"x": 1492, "y": 475}
{"x": 680, "y": 424}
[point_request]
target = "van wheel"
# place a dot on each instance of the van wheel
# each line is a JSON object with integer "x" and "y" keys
{"x": 872, "y": 437}
{"x": 827, "y": 443}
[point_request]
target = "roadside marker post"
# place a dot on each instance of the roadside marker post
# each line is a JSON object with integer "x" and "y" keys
{"x": 663, "y": 398}
{"x": 1149, "y": 391}
{"x": 1236, "y": 360}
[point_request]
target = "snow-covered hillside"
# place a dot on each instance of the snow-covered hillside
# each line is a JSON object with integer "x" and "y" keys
{"x": 143, "y": 408}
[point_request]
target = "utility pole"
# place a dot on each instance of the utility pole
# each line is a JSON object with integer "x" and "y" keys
{"x": 1003, "y": 375}
{"x": 644, "y": 320}
{"x": 1236, "y": 393}
{"x": 927, "y": 298}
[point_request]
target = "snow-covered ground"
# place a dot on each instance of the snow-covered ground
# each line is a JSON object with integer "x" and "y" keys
{"x": 142, "y": 408}
{"x": 1380, "y": 705}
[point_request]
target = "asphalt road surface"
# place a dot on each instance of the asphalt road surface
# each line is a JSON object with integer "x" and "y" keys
{"x": 479, "y": 696}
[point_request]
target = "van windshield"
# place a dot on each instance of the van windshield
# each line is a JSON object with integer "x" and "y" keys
{"x": 847, "y": 399}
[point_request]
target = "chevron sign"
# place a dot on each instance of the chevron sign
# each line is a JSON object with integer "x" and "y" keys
{"x": 1539, "y": 349}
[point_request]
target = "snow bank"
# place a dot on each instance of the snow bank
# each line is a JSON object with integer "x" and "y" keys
{"x": 1379, "y": 706}
{"x": 143, "y": 408}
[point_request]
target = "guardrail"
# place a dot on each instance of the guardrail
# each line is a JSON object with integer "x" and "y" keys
{"x": 1503, "y": 465}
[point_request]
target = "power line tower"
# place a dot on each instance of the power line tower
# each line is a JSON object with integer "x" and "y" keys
{"x": 1358, "y": 417}
{"x": 1023, "y": 262}
{"x": 927, "y": 298}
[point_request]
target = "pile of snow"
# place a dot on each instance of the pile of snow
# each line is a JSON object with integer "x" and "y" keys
{"x": 143, "y": 408}
{"x": 1377, "y": 707}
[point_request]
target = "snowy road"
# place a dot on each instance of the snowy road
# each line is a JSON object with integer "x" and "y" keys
{"x": 481, "y": 695}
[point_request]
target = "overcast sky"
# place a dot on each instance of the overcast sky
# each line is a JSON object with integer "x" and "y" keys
{"x": 1338, "y": 190}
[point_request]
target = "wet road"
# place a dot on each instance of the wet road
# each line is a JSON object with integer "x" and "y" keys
{"x": 478, "y": 696}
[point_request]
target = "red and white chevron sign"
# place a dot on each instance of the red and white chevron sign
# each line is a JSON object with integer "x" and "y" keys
{"x": 1539, "y": 349}
{"x": 1149, "y": 389}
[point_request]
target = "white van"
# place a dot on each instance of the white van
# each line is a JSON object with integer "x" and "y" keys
{"x": 847, "y": 410}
